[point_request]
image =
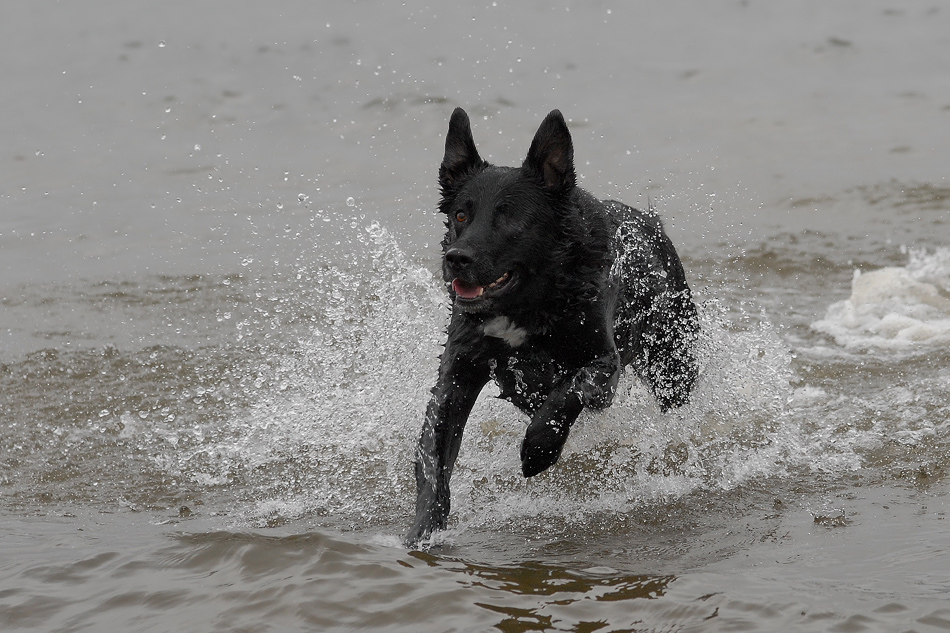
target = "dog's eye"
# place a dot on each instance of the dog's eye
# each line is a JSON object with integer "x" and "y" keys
{"x": 461, "y": 216}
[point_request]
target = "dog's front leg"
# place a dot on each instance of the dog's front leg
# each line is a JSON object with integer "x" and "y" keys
{"x": 592, "y": 386}
{"x": 462, "y": 374}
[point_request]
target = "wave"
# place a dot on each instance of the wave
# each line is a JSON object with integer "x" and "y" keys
{"x": 901, "y": 308}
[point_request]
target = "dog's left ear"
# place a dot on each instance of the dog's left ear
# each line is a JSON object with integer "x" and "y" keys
{"x": 551, "y": 155}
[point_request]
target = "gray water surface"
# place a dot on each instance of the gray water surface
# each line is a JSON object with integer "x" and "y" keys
{"x": 219, "y": 318}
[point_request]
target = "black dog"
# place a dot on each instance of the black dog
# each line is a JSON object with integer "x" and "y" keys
{"x": 553, "y": 291}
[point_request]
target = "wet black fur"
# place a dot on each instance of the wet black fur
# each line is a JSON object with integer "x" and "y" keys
{"x": 592, "y": 287}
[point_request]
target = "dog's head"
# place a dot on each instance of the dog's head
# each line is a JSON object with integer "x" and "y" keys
{"x": 504, "y": 224}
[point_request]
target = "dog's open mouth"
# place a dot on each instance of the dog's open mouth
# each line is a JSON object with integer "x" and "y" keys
{"x": 471, "y": 292}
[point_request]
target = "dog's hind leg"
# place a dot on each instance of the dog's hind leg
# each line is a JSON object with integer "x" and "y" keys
{"x": 668, "y": 338}
{"x": 657, "y": 325}
{"x": 593, "y": 386}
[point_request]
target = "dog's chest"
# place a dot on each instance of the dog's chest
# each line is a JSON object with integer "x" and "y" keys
{"x": 504, "y": 328}
{"x": 525, "y": 376}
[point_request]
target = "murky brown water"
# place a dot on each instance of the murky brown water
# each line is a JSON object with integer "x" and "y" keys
{"x": 219, "y": 324}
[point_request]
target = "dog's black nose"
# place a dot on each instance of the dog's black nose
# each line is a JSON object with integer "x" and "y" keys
{"x": 458, "y": 258}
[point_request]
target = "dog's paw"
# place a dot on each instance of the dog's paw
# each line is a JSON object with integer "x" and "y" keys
{"x": 541, "y": 447}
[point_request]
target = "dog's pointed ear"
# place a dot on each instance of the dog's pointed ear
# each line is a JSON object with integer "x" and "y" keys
{"x": 461, "y": 156}
{"x": 551, "y": 156}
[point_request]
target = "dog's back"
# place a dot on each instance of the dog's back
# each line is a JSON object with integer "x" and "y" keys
{"x": 655, "y": 321}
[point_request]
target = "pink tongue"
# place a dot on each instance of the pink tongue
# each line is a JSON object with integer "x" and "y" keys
{"x": 465, "y": 290}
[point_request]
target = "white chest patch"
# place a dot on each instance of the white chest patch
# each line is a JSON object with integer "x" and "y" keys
{"x": 502, "y": 327}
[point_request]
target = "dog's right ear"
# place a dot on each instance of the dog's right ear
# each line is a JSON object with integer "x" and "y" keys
{"x": 461, "y": 156}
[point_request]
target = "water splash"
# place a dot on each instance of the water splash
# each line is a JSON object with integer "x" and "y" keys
{"x": 337, "y": 435}
{"x": 334, "y": 431}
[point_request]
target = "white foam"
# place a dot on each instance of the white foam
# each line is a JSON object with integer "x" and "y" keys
{"x": 895, "y": 307}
